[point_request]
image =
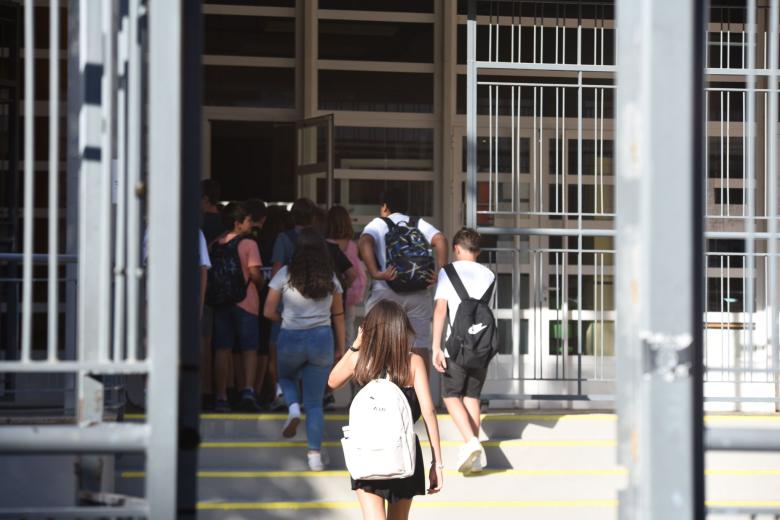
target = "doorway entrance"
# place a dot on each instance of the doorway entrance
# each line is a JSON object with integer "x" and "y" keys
{"x": 254, "y": 159}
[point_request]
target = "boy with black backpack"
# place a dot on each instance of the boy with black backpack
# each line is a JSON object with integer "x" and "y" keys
{"x": 233, "y": 287}
{"x": 402, "y": 254}
{"x": 462, "y": 300}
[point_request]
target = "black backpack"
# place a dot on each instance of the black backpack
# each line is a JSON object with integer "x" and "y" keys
{"x": 226, "y": 283}
{"x": 410, "y": 253}
{"x": 473, "y": 337}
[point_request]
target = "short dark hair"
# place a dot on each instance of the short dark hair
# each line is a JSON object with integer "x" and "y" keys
{"x": 210, "y": 189}
{"x": 257, "y": 209}
{"x": 302, "y": 212}
{"x": 468, "y": 239}
{"x": 232, "y": 213}
{"x": 395, "y": 198}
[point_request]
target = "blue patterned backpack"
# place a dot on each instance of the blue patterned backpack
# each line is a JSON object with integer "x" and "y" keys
{"x": 407, "y": 249}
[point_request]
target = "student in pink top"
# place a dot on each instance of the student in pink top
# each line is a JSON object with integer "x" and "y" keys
{"x": 236, "y": 326}
{"x": 340, "y": 232}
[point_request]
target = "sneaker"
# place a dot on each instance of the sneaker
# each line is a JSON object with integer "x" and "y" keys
{"x": 249, "y": 401}
{"x": 222, "y": 406}
{"x": 469, "y": 452}
{"x": 329, "y": 402}
{"x": 291, "y": 427}
{"x": 277, "y": 405}
{"x": 315, "y": 461}
{"x": 478, "y": 465}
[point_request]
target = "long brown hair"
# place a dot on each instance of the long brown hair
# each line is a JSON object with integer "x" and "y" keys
{"x": 386, "y": 344}
{"x": 310, "y": 269}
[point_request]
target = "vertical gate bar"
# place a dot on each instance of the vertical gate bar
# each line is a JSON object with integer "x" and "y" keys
{"x": 29, "y": 176}
{"x": 92, "y": 311}
{"x": 535, "y": 159}
{"x": 513, "y": 150}
{"x": 490, "y": 148}
{"x": 595, "y": 148}
{"x": 120, "y": 243}
{"x": 471, "y": 114}
{"x": 495, "y": 148}
{"x": 106, "y": 155}
{"x": 54, "y": 178}
{"x": 516, "y": 181}
{"x": 557, "y": 144}
{"x": 601, "y": 154}
{"x": 579, "y": 225}
{"x": 74, "y": 102}
{"x": 173, "y": 286}
{"x": 728, "y": 154}
{"x": 542, "y": 176}
{"x": 722, "y": 156}
{"x": 748, "y": 266}
{"x": 773, "y": 214}
{"x": 134, "y": 130}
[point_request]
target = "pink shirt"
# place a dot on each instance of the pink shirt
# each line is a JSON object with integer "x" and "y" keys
{"x": 250, "y": 257}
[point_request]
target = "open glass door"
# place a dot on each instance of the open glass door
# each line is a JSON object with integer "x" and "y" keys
{"x": 314, "y": 158}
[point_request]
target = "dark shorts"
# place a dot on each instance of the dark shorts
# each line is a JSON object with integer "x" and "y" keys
{"x": 235, "y": 328}
{"x": 459, "y": 381}
{"x": 207, "y": 322}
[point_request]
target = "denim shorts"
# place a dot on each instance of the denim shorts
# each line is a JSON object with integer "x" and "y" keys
{"x": 235, "y": 328}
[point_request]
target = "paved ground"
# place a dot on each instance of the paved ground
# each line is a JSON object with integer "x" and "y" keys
{"x": 542, "y": 465}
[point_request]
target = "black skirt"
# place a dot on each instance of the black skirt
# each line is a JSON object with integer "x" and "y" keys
{"x": 396, "y": 489}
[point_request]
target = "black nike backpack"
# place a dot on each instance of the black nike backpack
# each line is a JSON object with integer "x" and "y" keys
{"x": 473, "y": 340}
{"x": 407, "y": 249}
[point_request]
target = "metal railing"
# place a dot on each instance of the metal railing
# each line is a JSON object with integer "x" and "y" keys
{"x": 133, "y": 86}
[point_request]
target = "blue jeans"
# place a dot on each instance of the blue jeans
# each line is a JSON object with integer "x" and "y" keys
{"x": 307, "y": 354}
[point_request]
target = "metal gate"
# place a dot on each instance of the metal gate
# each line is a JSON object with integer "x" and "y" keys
{"x": 540, "y": 103}
{"x": 133, "y": 115}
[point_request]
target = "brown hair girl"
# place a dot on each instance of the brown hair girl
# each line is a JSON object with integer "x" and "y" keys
{"x": 386, "y": 344}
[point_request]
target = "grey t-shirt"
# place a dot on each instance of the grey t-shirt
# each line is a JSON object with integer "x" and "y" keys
{"x": 300, "y": 312}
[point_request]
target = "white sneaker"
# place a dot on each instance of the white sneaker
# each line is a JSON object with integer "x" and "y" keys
{"x": 479, "y": 463}
{"x": 315, "y": 461}
{"x": 469, "y": 452}
{"x": 292, "y": 422}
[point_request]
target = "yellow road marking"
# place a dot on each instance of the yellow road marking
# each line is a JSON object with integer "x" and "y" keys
{"x": 247, "y": 506}
{"x": 507, "y": 472}
{"x": 742, "y": 503}
{"x": 498, "y": 417}
{"x": 595, "y": 443}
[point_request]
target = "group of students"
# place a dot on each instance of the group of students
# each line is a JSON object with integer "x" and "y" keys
{"x": 316, "y": 278}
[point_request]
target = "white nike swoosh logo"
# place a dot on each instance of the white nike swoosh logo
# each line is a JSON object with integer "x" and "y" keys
{"x": 476, "y": 329}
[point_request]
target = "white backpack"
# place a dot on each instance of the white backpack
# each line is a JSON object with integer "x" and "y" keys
{"x": 379, "y": 442}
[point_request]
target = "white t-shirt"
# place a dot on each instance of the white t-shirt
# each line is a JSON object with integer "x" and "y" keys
{"x": 203, "y": 250}
{"x": 377, "y": 229}
{"x": 476, "y": 278}
{"x": 300, "y": 312}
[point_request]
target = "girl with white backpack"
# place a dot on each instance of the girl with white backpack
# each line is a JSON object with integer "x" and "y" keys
{"x": 382, "y": 453}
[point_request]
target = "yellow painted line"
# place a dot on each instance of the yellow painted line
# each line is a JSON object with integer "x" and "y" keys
{"x": 742, "y": 419}
{"x": 742, "y": 503}
{"x": 497, "y": 417}
{"x": 344, "y": 473}
{"x": 743, "y": 472}
{"x": 432, "y": 504}
{"x": 595, "y": 443}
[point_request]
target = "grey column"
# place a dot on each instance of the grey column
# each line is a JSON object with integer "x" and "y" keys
{"x": 659, "y": 260}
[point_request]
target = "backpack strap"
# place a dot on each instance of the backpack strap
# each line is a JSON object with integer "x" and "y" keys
{"x": 389, "y": 222}
{"x": 489, "y": 292}
{"x": 452, "y": 274}
{"x": 413, "y": 221}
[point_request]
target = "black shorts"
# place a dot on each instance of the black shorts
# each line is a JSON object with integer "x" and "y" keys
{"x": 459, "y": 381}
